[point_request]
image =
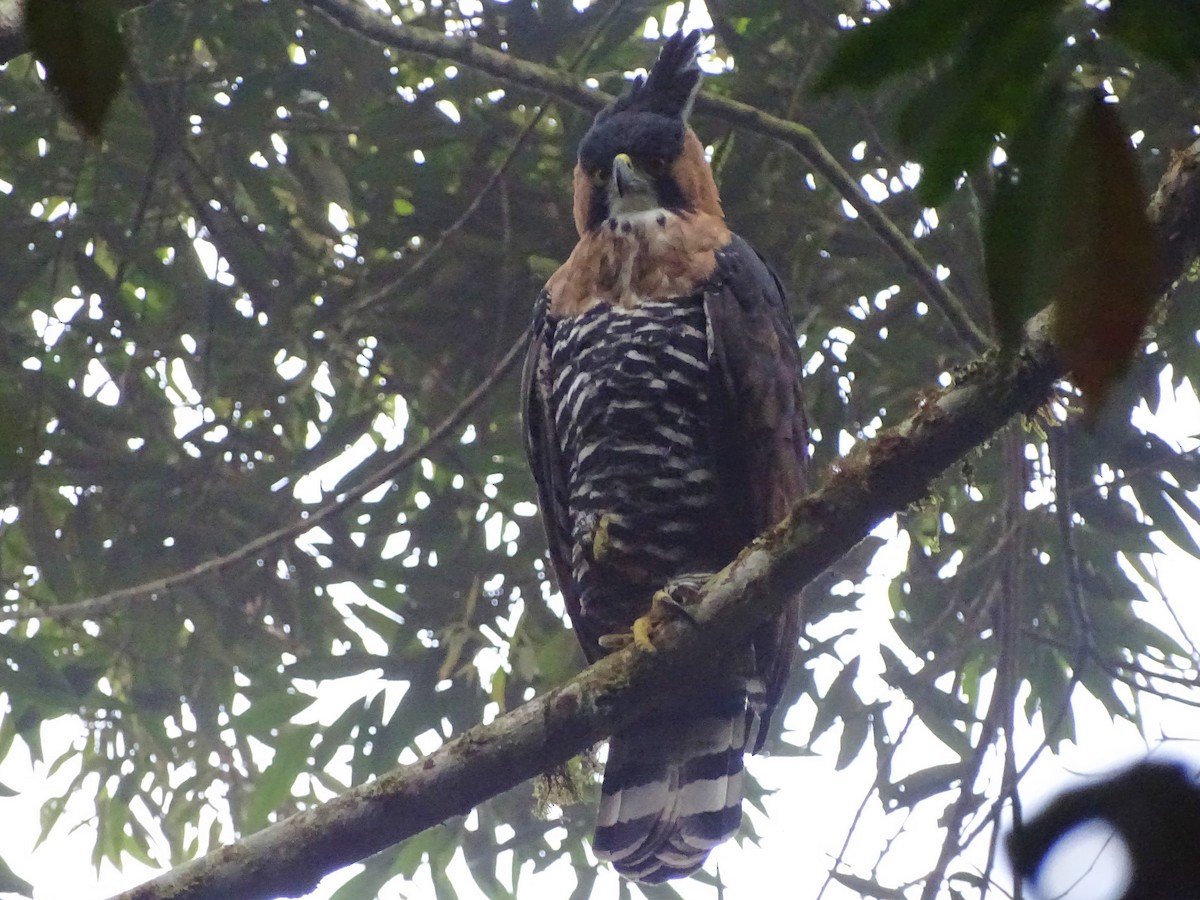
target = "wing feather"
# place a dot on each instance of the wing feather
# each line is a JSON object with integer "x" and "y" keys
{"x": 760, "y": 434}
{"x": 542, "y": 449}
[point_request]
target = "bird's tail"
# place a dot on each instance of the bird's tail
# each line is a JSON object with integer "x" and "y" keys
{"x": 673, "y": 786}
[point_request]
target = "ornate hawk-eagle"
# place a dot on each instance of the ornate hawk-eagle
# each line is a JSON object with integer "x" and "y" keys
{"x": 665, "y": 429}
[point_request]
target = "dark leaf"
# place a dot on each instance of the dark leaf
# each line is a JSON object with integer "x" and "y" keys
{"x": 1021, "y": 234}
{"x": 898, "y": 40}
{"x": 1108, "y": 268}
{"x": 1165, "y": 30}
{"x": 990, "y": 89}
{"x": 921, "y": 785}
{"x": 11, "y": 882}
{"x": 80, "y": 44}
{"x": 855, "y": 730}
{"x": 839, "y": 702}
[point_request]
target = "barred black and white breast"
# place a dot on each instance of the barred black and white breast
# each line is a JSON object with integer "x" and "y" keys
{"x": 629, "y": 394}
{"x": 663, "y": 436}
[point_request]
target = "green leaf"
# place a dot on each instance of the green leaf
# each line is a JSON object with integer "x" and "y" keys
{"x": 377, "y": 871}
{"x": 839, "y": 701}
{"x": 1165, "y": 30}
{"x": 271, "y": 710}
{"x": 951, "y": 125}
{"x": 930, "y": 701}
{"x": 27, "y": 670}
{"x": 905, "y": 37}
{"x": 924, "y": 784}
{"x": 12, "y": 883}
{"x": 274, "y": 785}
{"x": 1022, "y": 239}
{"x": 1167, "y": 519}
{"x": 80, "y": 44}
{"x": 1186, "y": 511}
{"x": 855, "y": 730}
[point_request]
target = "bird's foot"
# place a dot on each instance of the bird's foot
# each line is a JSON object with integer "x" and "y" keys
{"x": 601, "y": 541}
{"x": 667, "y": 605}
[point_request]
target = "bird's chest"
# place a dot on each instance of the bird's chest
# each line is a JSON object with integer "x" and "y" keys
{"x": 630, "y": 399}
{"x": 634, "y": 258}
{"x": 639, "y": 374}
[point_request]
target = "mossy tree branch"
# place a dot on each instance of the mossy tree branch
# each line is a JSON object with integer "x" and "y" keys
{"x": 880, "y": 478}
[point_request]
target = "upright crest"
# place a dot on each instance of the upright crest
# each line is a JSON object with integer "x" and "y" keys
{"x": 672, "y": 84}
{"x": 649, "y": 124}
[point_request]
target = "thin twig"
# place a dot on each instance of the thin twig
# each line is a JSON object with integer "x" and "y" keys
{"x": 378, "y": 27}
{"x": 1058, "y": 441}
{"x": 999, "y": 711}
{"x": 392, "y": 287}
{"x": 404, "y": 456}
{"x": 1009, "y": 631}
{"x": 1193, "y": 654}
{"x": 1000, "y": 708}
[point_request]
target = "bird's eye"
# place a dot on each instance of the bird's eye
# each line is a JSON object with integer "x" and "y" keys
{"x": 655, "y": 165}
{"x": 597, "y": 177}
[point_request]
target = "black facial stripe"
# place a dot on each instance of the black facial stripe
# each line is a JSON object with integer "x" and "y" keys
{"x": 666, "y": 189}
{"x": 597, "y": 206}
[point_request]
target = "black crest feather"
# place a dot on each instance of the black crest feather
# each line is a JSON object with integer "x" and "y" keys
{"x": 672, "y": 84}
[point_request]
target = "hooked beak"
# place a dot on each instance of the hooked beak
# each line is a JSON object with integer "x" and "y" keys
{"x": 624, "y": 177}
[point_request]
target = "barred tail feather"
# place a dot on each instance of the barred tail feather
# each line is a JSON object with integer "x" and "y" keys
{"x": 758, "y": 714}
{"x": 672, "y": 791}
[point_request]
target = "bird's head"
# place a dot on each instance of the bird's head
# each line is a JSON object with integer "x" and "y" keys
{"x": 640, "y": 154}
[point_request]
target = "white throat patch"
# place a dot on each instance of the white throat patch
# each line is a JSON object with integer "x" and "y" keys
{"x": 638, "y": 222}
{"x": 635, "y": 234}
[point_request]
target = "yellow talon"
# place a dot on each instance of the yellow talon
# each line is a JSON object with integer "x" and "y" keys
{"x": 614, "y": 641}
{"x": 641, "y": 633}
{"x": 601, "y": 540}
{"x": 663, "y": 608}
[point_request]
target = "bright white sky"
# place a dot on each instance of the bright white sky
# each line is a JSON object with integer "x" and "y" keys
{"x": 810, "y": 813}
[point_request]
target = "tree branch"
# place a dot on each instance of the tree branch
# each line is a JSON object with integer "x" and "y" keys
{"x": 879, "y": 478}
{"x": 382, "y": 29}
{"x": 403, "y": 457}
{"x": 1175, "y": 208}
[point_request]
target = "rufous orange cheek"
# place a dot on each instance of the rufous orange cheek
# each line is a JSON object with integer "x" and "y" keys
{"x": 583, "y": 193}
{"x": 694, "y": 177}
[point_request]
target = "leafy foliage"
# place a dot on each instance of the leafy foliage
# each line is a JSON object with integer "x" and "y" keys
{"x": 1068, "y": 221}
{"x": 262, "y": 288}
